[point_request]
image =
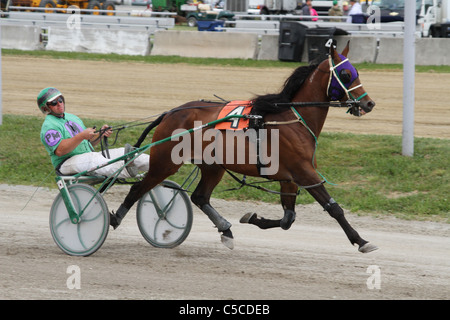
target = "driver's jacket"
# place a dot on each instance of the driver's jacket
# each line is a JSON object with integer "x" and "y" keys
{"x": 55, "y": 129}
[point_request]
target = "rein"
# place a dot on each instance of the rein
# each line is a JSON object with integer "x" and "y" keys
{"x": 337, "y": 104}
{"x": 104, "y": 144}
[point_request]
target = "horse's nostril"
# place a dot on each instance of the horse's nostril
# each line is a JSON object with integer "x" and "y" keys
{"x": 370, "y": 104}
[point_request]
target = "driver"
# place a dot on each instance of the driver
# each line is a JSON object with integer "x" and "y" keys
{"x": 70, "y": 144}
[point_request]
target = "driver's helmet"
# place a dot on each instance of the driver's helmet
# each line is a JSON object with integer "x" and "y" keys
{"x": 47, "y": 95}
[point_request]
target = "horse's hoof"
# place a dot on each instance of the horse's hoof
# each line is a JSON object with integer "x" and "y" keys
{"x": 368, "y": 247}
{"x": 246, "y": 217}
{"x": 114, "y": 220}
{"x": 227, "y": 238}
{"x": 227, "y": 241}
{"x": 288, "y": 219}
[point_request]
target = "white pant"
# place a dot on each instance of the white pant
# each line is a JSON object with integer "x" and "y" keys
{"x": 90, "y": 160}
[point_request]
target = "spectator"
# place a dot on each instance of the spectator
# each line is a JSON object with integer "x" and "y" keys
{"x": 354, "y": 10}
{"x": 305, "y": 9}
{"x": 313, "y": 12}
{"x": 335, "y": 10}
{"x": 308, "y": 10}
{"x": 345, "y": 8}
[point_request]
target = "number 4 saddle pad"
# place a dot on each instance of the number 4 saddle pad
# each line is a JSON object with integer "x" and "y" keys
{"x": 237, "y": 107}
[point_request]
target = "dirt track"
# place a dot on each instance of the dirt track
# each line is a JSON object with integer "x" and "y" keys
{"x": 313, "y": 260}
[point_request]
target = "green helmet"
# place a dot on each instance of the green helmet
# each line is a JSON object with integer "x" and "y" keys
{"x": 47, "y": 95}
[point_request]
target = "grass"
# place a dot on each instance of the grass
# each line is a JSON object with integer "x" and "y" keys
{"x": 370, "y": 174}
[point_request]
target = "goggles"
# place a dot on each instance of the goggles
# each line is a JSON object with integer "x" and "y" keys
{"x": 55, "y": 102}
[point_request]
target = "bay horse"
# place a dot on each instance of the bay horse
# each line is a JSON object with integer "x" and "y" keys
{"x": 298, "y": 128}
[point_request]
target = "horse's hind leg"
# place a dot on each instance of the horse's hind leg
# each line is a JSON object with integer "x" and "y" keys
{"x": 332, "y": 207}
{"x": 288, "y": 196}
{"x": 159, "y": 170}
{"x": 211, "y": 176}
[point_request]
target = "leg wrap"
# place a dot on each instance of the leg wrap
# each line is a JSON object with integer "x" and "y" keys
{"x": 220, "y": 222}
{"x": 333, "y": 208}
{"x": 121, "y": 212}
{"x": 336, "y": 212}
{"x": 288, "y": 219}
{"x": 116, "y": 218}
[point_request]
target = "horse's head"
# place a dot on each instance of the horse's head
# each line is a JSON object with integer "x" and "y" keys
{"x": 344, "y": 83}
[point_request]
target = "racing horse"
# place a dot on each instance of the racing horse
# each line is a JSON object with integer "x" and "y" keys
{"x": 297, "y": 126}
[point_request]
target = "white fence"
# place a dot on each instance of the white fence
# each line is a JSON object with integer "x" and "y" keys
{"x": 263, "y": 24}
{"x": 103, "y": 38}
{"x": 72, "y": 31}
{"x": 77, "y": 20}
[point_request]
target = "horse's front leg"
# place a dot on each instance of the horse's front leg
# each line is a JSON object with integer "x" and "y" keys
{"x": 288, "y": 196}
{"x": 332, "y": 207}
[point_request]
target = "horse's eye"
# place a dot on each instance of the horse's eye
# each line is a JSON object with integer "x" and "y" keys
{"x": 345, "y": 76}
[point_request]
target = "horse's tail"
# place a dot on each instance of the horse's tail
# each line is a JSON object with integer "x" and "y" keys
{"x": 148, "y": 129}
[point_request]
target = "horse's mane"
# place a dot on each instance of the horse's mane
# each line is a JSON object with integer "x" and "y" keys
{"x": 265, "y": 103}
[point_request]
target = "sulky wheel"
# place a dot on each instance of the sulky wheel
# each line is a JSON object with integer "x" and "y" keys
{"x": 87, "y": 236}
{"x": 164, "y": 215}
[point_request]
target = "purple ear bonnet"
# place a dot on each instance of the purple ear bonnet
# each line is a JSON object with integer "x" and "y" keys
{"x": 335, "y": 90}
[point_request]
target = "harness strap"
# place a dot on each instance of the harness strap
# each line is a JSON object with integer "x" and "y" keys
{"x": 259, "y": 165}
{"x": 274, "y": 123}
{"x": 244, "y": 183}
{"x": 298, "y": 120}
{"x": 316, "y": 142}
{"x": 303, "y": 122}
{"x": 297, "y": 115}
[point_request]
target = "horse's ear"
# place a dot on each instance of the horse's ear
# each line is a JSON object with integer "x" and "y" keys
{"x": 346, "y": 49}
{"x": 333, "y": 52}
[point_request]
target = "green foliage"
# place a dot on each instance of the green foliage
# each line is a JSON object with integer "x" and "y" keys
{"x": 367, "y": 173}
